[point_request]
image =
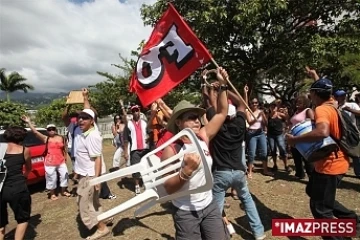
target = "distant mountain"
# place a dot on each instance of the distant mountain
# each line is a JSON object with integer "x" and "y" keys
{"x": 33, "y": 100}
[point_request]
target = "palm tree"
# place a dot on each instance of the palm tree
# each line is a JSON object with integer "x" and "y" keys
{"x": 12, "y": 83}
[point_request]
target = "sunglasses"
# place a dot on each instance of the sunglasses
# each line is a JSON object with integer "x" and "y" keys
{"x": 192, "y": 117}
{"x": 135, "y": 110}
{"x": 51, "y": 129}
{"x": 84, "y": 117}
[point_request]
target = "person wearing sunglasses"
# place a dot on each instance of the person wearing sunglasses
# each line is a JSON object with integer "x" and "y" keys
{"x": 136, "y": 141}
{"x": 89, "y": 164}
{"x": 54, "y": 158}
{"x": 196, "y": 216}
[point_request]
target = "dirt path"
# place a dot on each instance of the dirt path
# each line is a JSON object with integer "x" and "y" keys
{"x": 281, "y": 197}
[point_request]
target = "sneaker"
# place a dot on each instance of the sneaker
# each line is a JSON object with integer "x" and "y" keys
{"x": 111, "y": 196}
{"x": 261, "y": 237}
{"x": 137, "y": 190}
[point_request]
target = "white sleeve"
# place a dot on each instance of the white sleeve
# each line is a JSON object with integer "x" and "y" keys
{"x": 94, "y": 145}
{"x": 355, "y": 106}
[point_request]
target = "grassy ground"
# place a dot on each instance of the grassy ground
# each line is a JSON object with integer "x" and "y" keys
{"x": 279, "y": 197}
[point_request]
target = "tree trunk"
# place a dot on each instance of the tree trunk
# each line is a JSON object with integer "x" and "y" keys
{"x": 8, "y": 96}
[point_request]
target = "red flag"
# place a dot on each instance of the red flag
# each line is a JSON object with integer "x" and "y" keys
{"x": 172, "y": 53}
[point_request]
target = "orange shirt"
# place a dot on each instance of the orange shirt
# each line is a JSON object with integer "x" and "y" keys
{"x": 331, "y": 165}
{"x": 155, "y": 125}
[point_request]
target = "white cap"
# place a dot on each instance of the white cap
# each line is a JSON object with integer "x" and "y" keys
{"x": 231, "y": 110}
{"x": 90, "y": 112}
{"x": 50, "y": 126}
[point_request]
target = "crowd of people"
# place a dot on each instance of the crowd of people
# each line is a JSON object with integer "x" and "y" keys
{"x": 227, "y": 131}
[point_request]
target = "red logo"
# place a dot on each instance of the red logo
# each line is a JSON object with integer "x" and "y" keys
{"x": 314, "y": 227}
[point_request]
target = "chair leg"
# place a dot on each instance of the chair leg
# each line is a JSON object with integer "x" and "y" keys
{"x": 133, "y": 202}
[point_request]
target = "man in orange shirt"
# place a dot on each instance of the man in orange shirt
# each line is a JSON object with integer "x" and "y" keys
{"x": 330, "y": 170}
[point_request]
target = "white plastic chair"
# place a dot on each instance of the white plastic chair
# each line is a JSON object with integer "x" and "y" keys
{"x": 154, "y": 175}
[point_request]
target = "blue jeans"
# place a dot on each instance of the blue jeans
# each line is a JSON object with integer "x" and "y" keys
{"x": 277, "y": 141}
{"x": 256, "y": 138}
{"x": 223, "y": 180}
{"x": 356, "y": 165}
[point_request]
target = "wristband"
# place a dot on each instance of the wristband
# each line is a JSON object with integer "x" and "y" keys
{"x": 223, "y": 88}
{"x": 185, "y": 177}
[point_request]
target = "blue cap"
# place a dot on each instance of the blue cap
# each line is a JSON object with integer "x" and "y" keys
{"x": 339, "y": 93}
{"x": 322, "y": 84}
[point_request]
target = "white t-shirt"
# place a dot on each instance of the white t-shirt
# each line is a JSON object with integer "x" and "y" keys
{"x": 353, "y": 106}
{"x": 196, "y": 201}
{"x": 131, "y": 126}
{"x": 88, "y": 146}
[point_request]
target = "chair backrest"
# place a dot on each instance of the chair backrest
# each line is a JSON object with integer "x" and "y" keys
{"x": 157, "y": 172}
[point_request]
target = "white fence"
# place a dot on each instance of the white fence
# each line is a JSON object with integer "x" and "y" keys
{"x": 105, "y": 129}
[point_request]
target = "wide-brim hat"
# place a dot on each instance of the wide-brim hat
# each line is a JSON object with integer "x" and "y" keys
{"x": 182, "y": 107}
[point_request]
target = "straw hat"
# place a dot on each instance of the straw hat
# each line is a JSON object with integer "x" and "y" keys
{"x": 182, "y": 107}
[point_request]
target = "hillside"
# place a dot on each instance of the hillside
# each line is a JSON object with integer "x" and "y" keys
{"x": 33, "y": 100}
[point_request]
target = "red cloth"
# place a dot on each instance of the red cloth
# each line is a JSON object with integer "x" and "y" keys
{"x": 172, "y": 53}
{"x": 139, "y": 135}
{"x": 165, "y": 136}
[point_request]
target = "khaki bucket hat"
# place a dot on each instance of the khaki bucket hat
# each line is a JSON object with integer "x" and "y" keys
{"x": 182, "y": 107}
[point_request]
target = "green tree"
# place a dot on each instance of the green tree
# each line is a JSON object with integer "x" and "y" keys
{"x": 52, "y": 113}
{"x": 10, "y": 113}
{"x": 13, "y": 82}
{"x": 257, "y": 40}
{"x": 105, "y": 96}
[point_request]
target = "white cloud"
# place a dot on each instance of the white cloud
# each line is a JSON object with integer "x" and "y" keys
{"x": 59, "y": 45}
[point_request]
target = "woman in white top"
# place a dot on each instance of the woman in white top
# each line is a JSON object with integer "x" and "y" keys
{"x": 256, "y": 138}
{"x": 196, "y": 216}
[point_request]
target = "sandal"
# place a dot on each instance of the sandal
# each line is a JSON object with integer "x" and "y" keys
{"x": 66, "y": 194}
{"x": 98, "y": 234}
{"x": 53, "y": 198}
{"x": 109, "y": 221}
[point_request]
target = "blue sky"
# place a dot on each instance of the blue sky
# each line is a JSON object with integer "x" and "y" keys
{"x": 59, "y": 45}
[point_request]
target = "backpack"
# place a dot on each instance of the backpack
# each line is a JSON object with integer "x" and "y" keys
{"x": 3, "y": 169}
{"x": 349, "y": 142}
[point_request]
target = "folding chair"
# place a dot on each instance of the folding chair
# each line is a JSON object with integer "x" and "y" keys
{"x": 154, "y": 173}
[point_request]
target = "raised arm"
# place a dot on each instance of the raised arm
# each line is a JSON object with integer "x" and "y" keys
{"x": 312, "y": 73}
{"x": 154, "y": 108}
{"x": 240, "y": 106}
{"x": 214, "y": 125}
{"x": 124, "y": 113}
{"x": 166, "y": 110}
{"x": 87, "y": 105}
{"x": 65, "y": 116}
{"x": 39, "y": 135}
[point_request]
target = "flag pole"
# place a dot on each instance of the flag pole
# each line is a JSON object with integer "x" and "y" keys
{"x": 236, "y": 91}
